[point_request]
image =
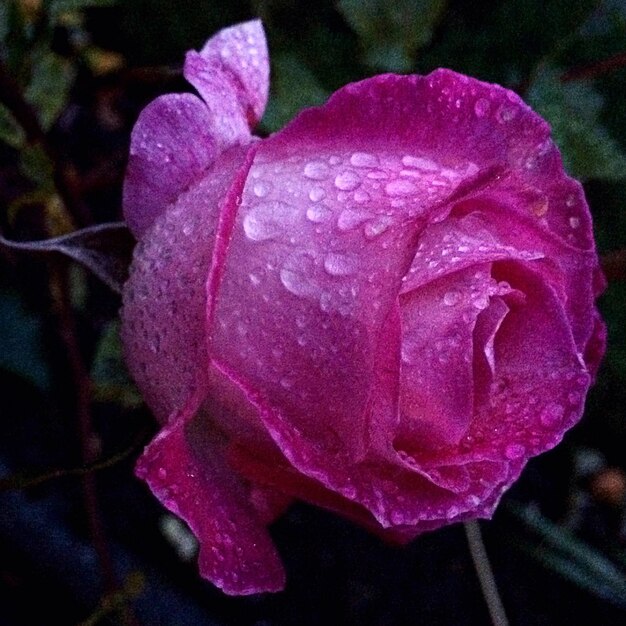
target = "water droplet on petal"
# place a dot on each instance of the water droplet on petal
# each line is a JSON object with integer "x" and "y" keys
{"x": 266, "y": 220}
{"x": 347, "y": 180}
{"x": 400, "y": 187}
{"x": 254, "y": 279}
{"x": 316, "y": 194}
{"x": 377, "y": 227}
{"x": 339, "y": 264}
{"x": 481, "y": 107}
{"x": 318, "y": 214}
{"x": 506, "y": 114}
{"x": 552, "y": 415}
{"x": 574, "y": 222}
{"x": 351, "y": 218}
{"x": 363, "y": 159}
{"x": 261, "y": 189}
{"x": 419, "y": 163}
{"x": 286, "y": 383}
{"x": 451, "y": 298}
{"x": 316, "y": 170}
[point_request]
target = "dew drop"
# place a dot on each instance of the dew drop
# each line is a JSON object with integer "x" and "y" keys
{"x": 339, "y": 264}
{"x": 419, "y": 163}
{"x": 481, "y": 107}
{"x": 377, "y": 227}
{"x": 266, "y": 220}
{"x": 347, "y": 180}
{"x": 451, "y": 298}
{"x": 296, "y": 275}
{"x": 316, "y": 170}
{"x": 254, "y": 279}
{"x": 316, "y": 194}
{"x": 318, "y": 214}
{"x": 400, "y": 187}
{"x": 261, "y": 189}
{"x": 363, "y": 159}
{"x": 551, "y": 415}
{"x": 349, "y": 219}
{"x": 481, "y": 302}
{"x": 574, "y": 222}
{"x": 286, "y": 382}
{"x": 506, "y": 114}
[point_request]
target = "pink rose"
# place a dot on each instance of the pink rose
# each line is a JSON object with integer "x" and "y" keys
{"x": 384, "y": 309}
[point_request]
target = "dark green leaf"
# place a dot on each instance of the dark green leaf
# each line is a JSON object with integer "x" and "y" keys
{"x": 573, "y": 110}
{"x": 51, "y": 79}
{"x": 294, "y": 87}
{"x": 576, "y": 561}
{"x": 109, "y": 374}
{"x": 392, "y": 32}
{"x": 10, "y": 131}
{"x": 36, "y": 165}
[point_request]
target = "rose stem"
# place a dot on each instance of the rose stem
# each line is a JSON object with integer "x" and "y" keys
{"x": 485, "y": 574}
{"x": 593, "y": 70}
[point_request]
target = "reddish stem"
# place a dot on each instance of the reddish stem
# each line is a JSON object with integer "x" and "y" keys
{"x": 82, "y": 387}
{"x": 593, "y": 70}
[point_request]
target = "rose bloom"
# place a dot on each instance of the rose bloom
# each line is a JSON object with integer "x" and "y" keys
{"x": 385, "y": 309}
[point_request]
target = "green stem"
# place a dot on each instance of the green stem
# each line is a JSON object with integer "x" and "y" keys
{"x": 485, "y": 574}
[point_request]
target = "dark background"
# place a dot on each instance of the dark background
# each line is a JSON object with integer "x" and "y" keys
{"x": 92, "y": 545}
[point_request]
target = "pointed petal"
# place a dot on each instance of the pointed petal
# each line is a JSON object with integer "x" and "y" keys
{"x": 240, "y": 51}
{"x": 172, "y": 145}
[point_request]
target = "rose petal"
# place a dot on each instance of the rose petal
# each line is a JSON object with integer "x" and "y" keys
{"x": 164, "y": 313}
{"x": 328, "y": 222}
{"x": 228, "y": 117}
{"x": 241, "y": 53}
{"x": 186, "y": 470}
{"x": 171, "y": 146}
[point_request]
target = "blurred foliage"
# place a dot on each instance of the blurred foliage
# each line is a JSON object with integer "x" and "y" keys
{"x": 85, "y": 68}
{"x": 21, "y": 339}
{"x": 574, "y": 109}
{"x": 392, "y": 32}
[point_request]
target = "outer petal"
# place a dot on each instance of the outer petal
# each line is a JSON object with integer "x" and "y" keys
{"x": 171, "y": 146}
{"x": 163, "y": 318}
{"x": 186, "y": 470}
{"x": 240, "y": 52}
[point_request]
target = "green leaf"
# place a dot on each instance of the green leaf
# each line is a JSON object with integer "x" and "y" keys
{"x": 392, "y": 32}
{"x": 51, "y": 80}
{"x": 559, "y": 550}
{"x": 293, "y": 87}
{"x": 109, "y": 374}
{"x": 35, "y": 164}
{"x": 573, "y": 110}
{"x": 11, "y": 132}
{"x": 21, "y": 341}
